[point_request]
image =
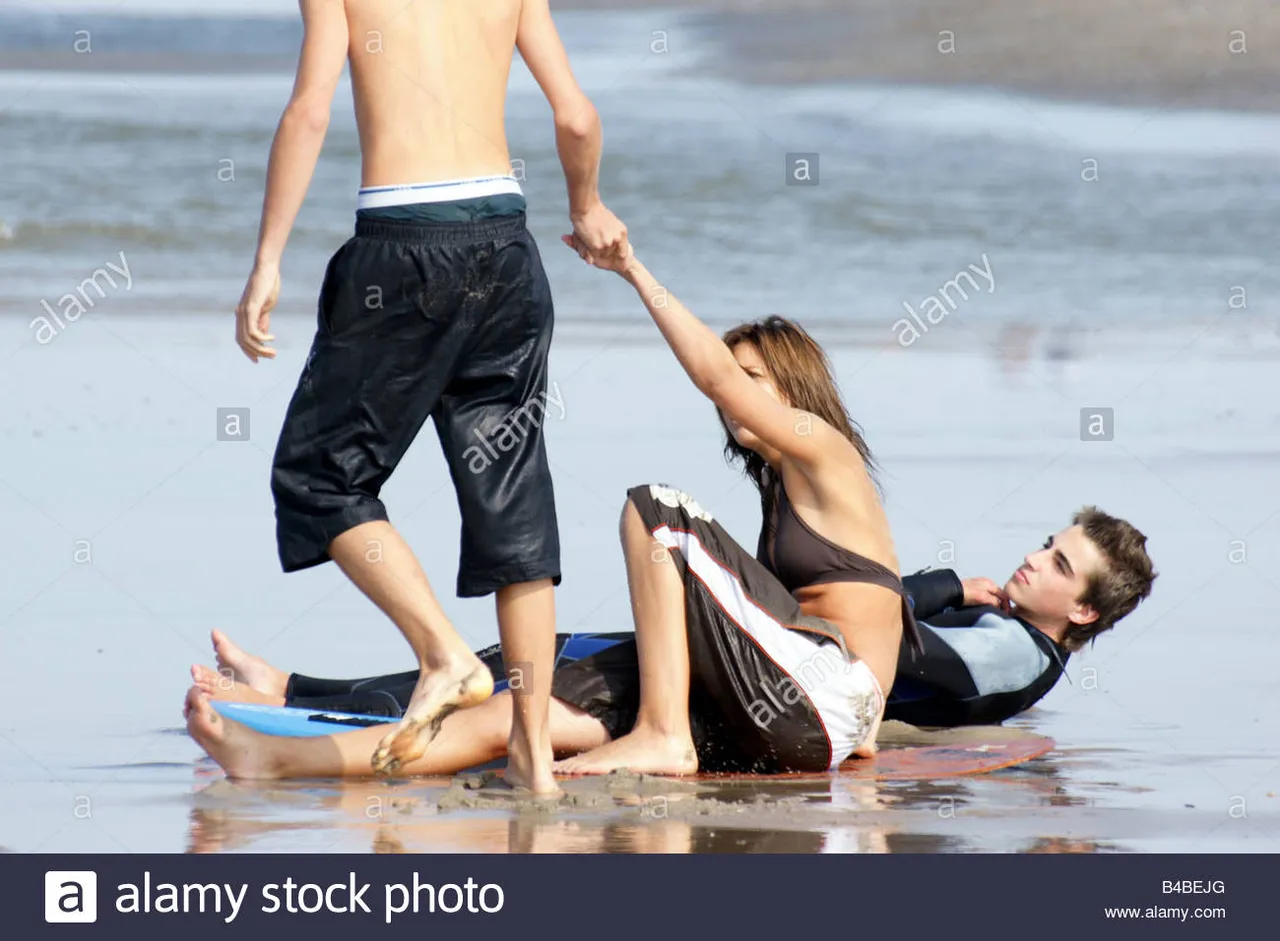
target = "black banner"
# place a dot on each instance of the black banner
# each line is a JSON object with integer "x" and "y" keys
{"x": 1037, "y": 897}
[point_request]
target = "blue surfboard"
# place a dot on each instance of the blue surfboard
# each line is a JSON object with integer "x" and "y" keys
{"x": 299, "y": 723}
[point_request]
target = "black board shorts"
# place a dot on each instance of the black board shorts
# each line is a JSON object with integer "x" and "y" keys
{"x": 771, "y": 688}
{"x": 451, "y": 320}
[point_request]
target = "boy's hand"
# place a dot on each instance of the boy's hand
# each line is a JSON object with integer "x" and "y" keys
{"x": 600, "y": 231}
{"x": 984, "y": 591}
{"x": 253, "y": 315}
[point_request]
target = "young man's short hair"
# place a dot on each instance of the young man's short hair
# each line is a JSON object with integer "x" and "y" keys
{"x": 1123, "y": 582}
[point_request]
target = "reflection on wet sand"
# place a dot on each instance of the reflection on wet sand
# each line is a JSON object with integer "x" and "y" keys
{"x": 638, "y": 814}
{"x": 1055, "y": 844}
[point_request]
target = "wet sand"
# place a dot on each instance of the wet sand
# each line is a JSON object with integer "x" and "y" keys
{"x": 1149, "y": 53}
{"x": 1146, "y": 53}
{"x": 115, "y": 436}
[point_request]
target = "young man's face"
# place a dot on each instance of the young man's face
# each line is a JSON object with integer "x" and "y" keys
{"x": 1052, "y": 579}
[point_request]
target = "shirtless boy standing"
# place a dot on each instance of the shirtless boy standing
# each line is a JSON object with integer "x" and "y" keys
{"x": 437, "y": 306}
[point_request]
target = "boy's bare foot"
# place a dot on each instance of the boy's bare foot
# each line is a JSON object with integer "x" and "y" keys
{"x": 531, "y": 771}
{"x": 239, "y": 751}
{"x": 643, "y": 750}
{"x": 439, "y": 693}
{"x": 221, "y": 686}
{"x": 250, "y": 670}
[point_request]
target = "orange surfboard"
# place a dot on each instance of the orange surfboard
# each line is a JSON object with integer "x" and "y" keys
{"x": 922, "y": 762}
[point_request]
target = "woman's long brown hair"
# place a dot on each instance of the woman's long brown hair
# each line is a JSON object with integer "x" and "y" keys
{"x": 802, "y": 373}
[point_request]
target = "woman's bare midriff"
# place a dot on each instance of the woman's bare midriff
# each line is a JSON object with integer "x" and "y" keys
{"x": 868, "y": 616}
{"x": 430, "y": 86}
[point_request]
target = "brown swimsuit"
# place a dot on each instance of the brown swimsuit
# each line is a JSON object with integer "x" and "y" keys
{"x": 800, "y": 557}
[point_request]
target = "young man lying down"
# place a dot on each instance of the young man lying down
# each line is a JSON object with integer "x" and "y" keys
{"x": 990, "y": 652}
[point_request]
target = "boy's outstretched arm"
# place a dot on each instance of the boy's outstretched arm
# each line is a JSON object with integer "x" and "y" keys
{"x": 579, "y": 139}
{"x": 294, "y": 152}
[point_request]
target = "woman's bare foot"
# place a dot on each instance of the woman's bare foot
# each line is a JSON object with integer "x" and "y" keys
{"x": 439, "y": 693}
{"x": 221, "y": 686}
{"x": 643, "y": 750}
{"x": 869, "y": 748}
{"x": 241, "y": 752}
{"x": 248, "y": 669}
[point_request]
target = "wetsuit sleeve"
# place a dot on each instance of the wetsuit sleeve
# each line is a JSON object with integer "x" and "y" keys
{"x": 933, "y": 592}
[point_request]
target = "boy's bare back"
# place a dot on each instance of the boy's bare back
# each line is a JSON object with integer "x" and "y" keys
{"x": 429, "y": 80}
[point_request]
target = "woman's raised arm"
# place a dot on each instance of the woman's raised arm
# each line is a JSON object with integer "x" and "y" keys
{"x": 715, "y": 372}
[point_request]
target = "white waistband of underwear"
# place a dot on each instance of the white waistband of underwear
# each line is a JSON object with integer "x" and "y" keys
{"x": 410, "y": 194}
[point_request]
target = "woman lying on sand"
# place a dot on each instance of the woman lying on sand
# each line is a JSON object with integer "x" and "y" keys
{"x": 770, "y": 662}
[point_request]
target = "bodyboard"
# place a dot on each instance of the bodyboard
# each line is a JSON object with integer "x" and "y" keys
{"x": 920, "y": 762}
{"x": 297, "y": 723}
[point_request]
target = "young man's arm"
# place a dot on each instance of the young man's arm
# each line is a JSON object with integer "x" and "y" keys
{"x": 294, "y": 153}
{"x": 933, "y": 592}
{"x": 579, "y": 139}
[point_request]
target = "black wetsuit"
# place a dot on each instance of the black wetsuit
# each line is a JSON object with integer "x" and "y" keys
{"x": 980, "y": 665}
